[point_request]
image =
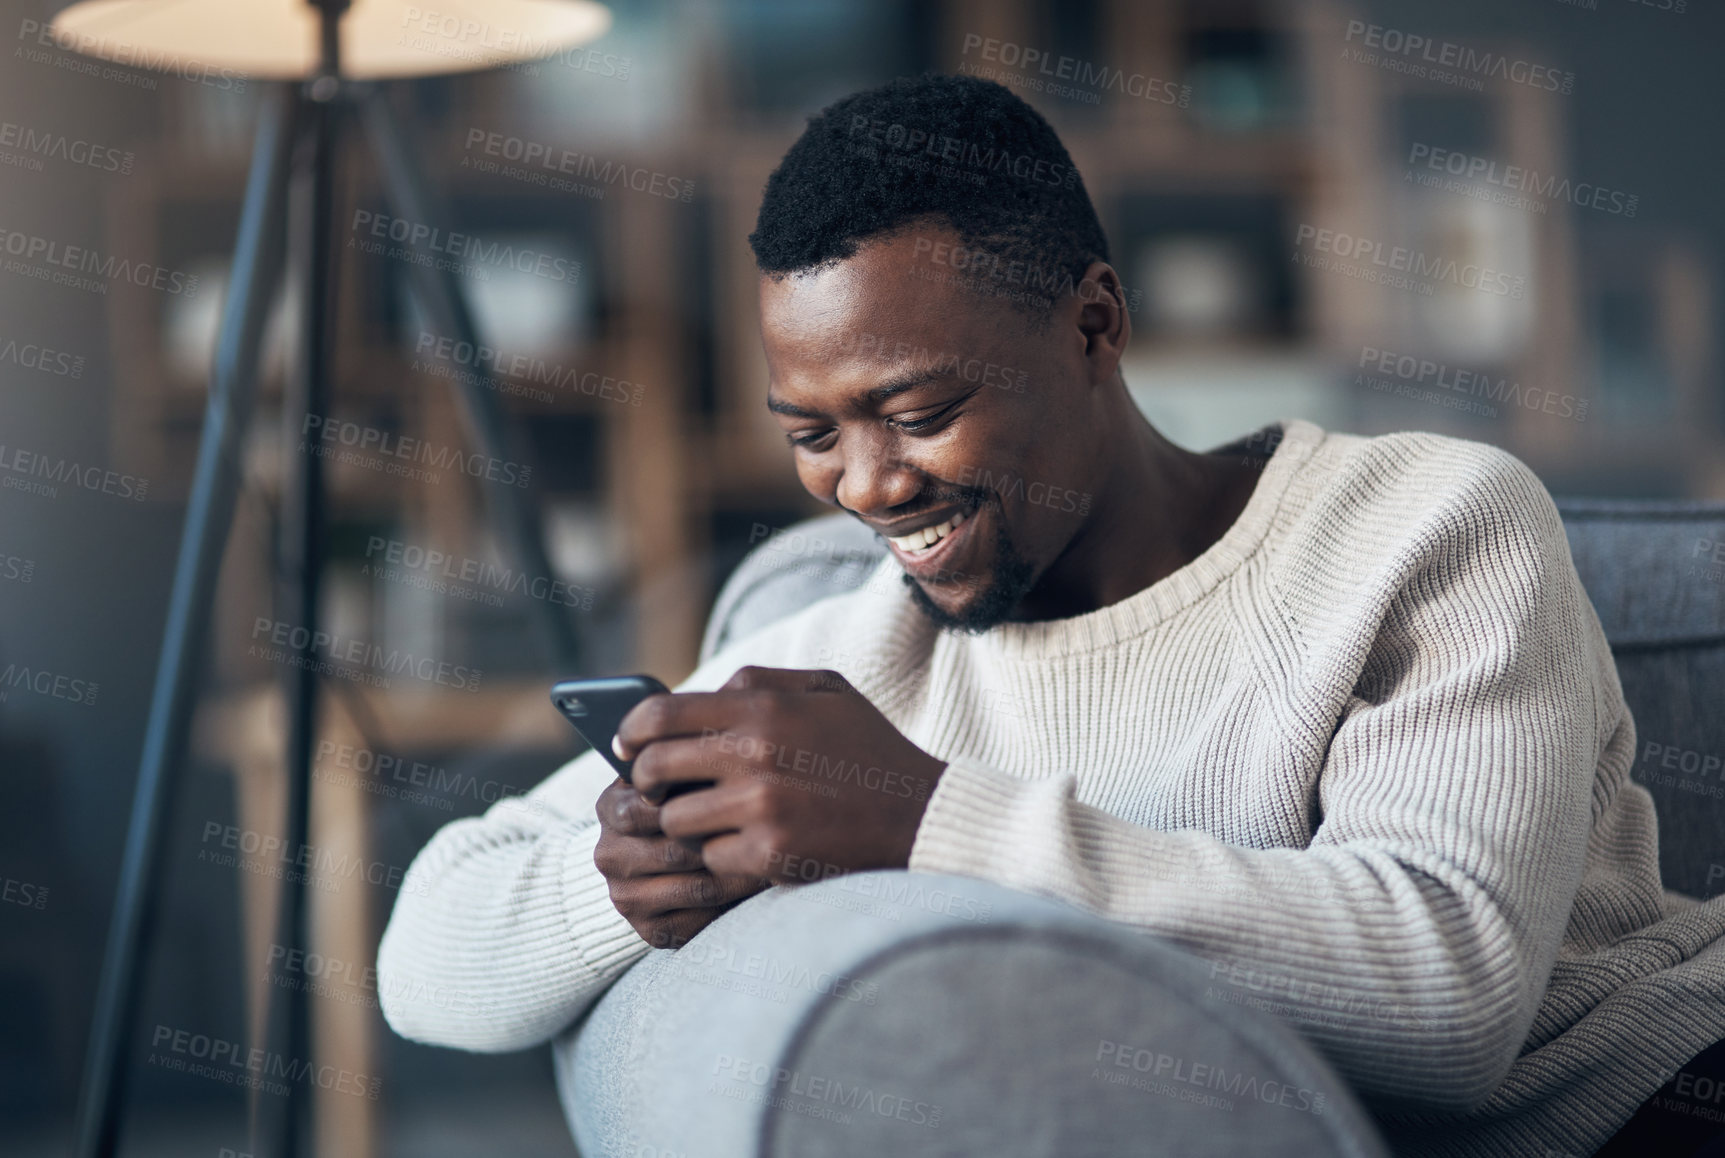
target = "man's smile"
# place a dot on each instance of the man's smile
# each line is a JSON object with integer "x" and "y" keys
{"x": 927, "y": 550}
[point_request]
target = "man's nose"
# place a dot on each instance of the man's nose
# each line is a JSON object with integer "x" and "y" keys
{"x": 875, "y": 478}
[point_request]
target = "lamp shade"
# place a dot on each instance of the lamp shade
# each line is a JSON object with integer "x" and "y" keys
{"x": 278, "y": 39}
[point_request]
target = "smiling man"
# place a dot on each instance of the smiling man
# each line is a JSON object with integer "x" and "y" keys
{"x": 1322, "y": 709}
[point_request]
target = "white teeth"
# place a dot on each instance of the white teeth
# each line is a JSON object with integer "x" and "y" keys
{"x": 922, "y": 539}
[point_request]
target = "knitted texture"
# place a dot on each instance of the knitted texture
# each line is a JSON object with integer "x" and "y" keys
{"x": 1367, "y": 755}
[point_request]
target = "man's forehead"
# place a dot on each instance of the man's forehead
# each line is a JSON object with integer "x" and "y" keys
{"x": 867, "y": 308}
{"x": 868, "y": 282}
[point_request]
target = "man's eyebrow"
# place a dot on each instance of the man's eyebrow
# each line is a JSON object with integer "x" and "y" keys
{"x": 780, "y": 406}
{"x": 890, "y": 389}
{"x": 894, "y": 387}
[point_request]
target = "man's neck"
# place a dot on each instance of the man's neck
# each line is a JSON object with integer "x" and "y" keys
{"x": 1161, "y": 507}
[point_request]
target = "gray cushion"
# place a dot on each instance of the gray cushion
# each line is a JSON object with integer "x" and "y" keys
{"x": 811, "y": 560}
{"x": 1647, "y": 566}
{"x": 910, "y": 1013}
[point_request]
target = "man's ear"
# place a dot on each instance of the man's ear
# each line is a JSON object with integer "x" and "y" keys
{"x": 1104, "y": 321}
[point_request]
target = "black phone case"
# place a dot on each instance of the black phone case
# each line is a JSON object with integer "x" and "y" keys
{"x": 596, "y": 707}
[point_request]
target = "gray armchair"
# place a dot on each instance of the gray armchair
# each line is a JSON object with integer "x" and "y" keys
{"x": 907, "y": 1013}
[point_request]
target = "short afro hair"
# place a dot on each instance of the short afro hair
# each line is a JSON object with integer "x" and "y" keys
{"x": 964, "y": 151}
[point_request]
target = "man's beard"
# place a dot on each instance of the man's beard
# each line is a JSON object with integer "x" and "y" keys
{"x": 1011, "y": 579}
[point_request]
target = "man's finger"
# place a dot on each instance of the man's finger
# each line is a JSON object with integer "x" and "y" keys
{"x": 676, "y": 855}
{"x": 732, "y": 855}
{"x": 665, "y": 717}
{"x": 734, "y": 887}
{"x": 626, "y": 812}
{"x": 782, "y": 679}
{"x": 695, "y": 816}
{"x": 685, "y": 760}
{"x": 654, "y": 896}
{"x": 632, "y": 857}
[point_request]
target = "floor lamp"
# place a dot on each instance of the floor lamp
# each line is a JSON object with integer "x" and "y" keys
{"x": 324, "y": 51}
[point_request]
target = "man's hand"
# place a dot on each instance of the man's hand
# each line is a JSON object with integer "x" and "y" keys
{"x": 804, "y": 771}
{"x": 658, "y": 882}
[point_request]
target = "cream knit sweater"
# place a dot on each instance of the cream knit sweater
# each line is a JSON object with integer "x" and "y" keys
{"x": 1367, "y": 753}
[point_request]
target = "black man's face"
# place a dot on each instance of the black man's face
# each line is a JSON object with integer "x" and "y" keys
{"x": 921, "y": 405}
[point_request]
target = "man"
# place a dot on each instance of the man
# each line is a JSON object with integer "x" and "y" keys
{"x": 1331, "y": 709}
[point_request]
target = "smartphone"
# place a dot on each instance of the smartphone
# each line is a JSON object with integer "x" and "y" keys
{"x": 596, "y": 707}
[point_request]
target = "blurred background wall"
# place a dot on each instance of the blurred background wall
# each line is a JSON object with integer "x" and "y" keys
{"x": 1256, "y": 164}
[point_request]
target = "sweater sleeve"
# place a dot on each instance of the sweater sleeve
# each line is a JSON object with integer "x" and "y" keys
{"x": 504, "y": 931}
{"x": 1413, "y": 938}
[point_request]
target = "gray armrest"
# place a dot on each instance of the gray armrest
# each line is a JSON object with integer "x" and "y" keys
{"x": 906, "y": 1013}
{"x": 810, "y": 561}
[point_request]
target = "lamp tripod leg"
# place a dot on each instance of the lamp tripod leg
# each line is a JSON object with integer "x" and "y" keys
{"x": 209, "y": 517}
